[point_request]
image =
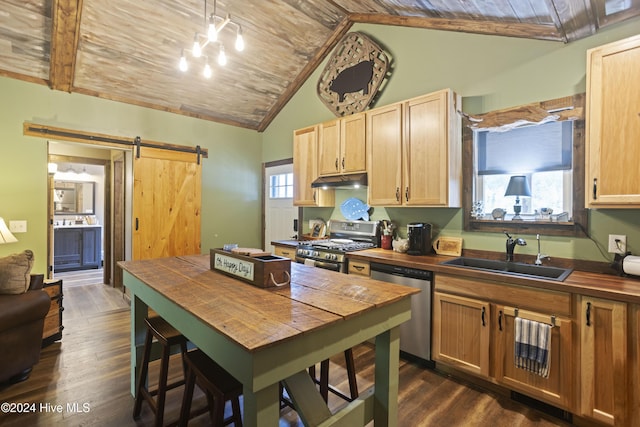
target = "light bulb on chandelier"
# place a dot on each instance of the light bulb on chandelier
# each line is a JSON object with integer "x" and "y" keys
{"x": 239, "y": 40}
{"x": 183, "y": 65}
{"x": 222, "y": 58}
{"x": 213, "y": 25}
{"x": 197, "y": 50}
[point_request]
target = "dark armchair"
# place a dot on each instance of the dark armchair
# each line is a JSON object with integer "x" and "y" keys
{"x": 21, "y": 324}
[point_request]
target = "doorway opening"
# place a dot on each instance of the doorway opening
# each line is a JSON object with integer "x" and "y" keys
{"x": 84, "y": 210}
{"x": 279, "y": 212}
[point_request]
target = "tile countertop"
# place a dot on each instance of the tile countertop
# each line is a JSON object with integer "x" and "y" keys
{"x": 625, "y": 289}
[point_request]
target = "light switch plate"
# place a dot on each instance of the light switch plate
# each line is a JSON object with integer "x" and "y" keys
{"x": 18, "y": 226}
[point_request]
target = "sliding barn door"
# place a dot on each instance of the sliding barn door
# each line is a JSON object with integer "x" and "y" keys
{"x": 166, "y": 204}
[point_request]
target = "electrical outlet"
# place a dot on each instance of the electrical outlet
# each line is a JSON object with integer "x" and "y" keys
{"x": 617, "y": 244}
{"x": 18, "y": 226}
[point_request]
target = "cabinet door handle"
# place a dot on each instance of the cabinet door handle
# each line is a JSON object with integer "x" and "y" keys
{"x": 343, "y": 163}
{"x": 137, "y": 224}
{"x": 336, "y": 163}
{"x": 595, "y": 188}
{"x": 358, "y": 267}
{"x": 397, "y": 194}
{"x": 500, "y": 320}
{"x": 406, "y": 194}
{"x": 588, "y": 314}
{"x": 483, "y": 313}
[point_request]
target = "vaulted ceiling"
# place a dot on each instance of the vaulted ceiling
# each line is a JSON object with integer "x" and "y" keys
{"x": 128, "y": 50}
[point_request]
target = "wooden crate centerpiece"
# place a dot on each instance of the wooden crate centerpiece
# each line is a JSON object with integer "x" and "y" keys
{"x": 261, "y": 270}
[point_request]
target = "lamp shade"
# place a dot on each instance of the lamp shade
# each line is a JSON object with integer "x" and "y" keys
{"x": 518, "y": 186}
{"x": 5, "y": 234}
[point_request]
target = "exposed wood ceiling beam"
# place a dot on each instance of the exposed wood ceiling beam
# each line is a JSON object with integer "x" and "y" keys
{"x": 522, "y": 30}
{"x": 65, "y": 30}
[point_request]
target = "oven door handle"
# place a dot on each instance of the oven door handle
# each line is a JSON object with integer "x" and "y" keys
{"x": 328, "y": 265}
{"x": 320, "y": 264}
{"x": 304, "y": 260}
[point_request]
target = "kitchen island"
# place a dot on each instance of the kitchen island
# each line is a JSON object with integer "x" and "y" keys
{"x": 264, "y": 336}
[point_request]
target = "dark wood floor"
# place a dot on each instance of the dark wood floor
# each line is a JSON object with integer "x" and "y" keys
{"x": 89, "y": 368}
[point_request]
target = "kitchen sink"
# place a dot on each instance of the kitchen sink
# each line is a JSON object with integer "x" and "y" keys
{"x": 512, "y": 268}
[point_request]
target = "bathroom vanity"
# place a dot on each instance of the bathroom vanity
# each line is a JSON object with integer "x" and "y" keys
{"x": 77, "y": 247}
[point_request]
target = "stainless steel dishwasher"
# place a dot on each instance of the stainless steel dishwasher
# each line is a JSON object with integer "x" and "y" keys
{"x": 415, "y": 334}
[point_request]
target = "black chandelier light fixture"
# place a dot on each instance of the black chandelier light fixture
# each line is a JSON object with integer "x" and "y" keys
{"x": 213, "y": 25}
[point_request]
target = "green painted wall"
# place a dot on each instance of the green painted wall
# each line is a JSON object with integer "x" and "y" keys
{"x": 489, "y": 73}
{"x": 230, "y": 178}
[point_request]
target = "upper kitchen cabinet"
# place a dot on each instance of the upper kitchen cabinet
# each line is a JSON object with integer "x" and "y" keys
{"x": 384, "y": 148}
{"x": 432, "y": 151}
{"x": 341, "y": 146}
{"x": 415, "y": 153}
{"x": 613, "y": 125}
{"x": 305, "y": 170}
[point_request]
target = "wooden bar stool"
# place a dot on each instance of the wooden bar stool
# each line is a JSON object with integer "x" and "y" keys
{"x": 167, "y": 336}
{"x": 219, "y": 386}
{"x": 323, "y": 381}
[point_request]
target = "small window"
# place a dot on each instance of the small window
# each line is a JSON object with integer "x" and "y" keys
{"x": 281, "y": 186}
{"x": 542, "y": 153}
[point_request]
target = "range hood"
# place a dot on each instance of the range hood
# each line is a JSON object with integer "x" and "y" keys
{"x": 337, "y": 181}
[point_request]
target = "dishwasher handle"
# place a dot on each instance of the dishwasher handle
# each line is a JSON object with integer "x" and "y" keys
{"x": 401, "y": 271}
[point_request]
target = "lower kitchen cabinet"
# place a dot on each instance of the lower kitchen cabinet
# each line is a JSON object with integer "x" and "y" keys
{"x": 556, "y": 388}
{"x": 474, "y": 332}
{"x": 605, "y": 372}
{"x": 634, "y": 356}
{"x": 77, "y": 248}
{"x": 285, "y": 251}
{"x": 461, "y": 333}
{"x": 361, "y": 268}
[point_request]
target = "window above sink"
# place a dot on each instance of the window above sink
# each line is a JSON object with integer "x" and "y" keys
{"x": 545, "y": 143}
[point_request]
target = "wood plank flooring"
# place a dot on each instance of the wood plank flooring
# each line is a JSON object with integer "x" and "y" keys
{"x": 88, "y": 374}
{"x": 81, "y": 277}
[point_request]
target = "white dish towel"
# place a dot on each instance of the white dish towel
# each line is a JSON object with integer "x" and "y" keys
{"x": 532, "y": 350}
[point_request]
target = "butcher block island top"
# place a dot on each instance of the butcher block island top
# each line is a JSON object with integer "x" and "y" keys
{"x": 265, "y": 335}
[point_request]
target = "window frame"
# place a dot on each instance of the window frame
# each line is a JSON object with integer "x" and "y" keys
{"x": 288, "y": 184}
{"x": 567, "y": 108}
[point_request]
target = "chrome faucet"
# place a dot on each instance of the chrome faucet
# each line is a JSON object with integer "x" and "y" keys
{"x": 511, "y": 245}
{"x": 540, "y": 256}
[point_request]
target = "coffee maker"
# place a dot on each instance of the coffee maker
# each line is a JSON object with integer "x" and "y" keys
{"x": 419, "y": 235}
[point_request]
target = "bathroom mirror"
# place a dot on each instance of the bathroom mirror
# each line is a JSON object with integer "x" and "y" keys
{"x": 74, "y": 197}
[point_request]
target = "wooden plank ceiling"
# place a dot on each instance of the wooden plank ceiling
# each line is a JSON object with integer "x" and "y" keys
{"x": 128, "y": 50}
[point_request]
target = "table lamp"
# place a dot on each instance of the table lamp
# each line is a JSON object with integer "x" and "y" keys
{"x": 518, "y": 186}
{"x": 5, "y": 234}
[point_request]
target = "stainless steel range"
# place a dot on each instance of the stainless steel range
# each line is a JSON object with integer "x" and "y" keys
{"x": 344, "y": 236}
